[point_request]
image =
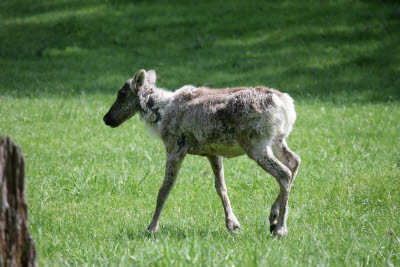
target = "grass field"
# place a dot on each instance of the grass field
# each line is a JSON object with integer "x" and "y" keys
{"x": 92, "y": 189}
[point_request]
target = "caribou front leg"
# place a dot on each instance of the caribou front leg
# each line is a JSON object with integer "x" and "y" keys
{"x": 174, "y": 160}
{"x": 218, "y": 169}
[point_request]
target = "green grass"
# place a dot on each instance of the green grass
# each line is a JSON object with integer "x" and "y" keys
{"x": 91, "y": 189}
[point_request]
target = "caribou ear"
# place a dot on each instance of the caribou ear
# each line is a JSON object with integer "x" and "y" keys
{"x": 138, "y": 80}
{"x": 151, "y": 77}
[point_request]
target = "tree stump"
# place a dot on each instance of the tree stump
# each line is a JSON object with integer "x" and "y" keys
{"x": 16, "y": 244}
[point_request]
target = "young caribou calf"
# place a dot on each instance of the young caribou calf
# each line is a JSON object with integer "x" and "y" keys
{"x": 215, "y": 123}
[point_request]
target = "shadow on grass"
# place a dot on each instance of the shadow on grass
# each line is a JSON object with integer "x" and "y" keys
{"x": 342, "y": 51}
{"x": 177, "y": 233}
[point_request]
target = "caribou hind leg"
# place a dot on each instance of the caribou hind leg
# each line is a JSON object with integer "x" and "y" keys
{"x": 261, "y": 152}
{"x": 290, "y": 160}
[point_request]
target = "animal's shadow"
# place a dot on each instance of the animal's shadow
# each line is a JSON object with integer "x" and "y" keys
{"x": 168, "y": 231}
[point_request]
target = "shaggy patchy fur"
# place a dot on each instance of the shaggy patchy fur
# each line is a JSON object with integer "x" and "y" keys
{"x": 215, "y": 123}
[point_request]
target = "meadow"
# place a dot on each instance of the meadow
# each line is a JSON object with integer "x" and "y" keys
{"x": 92, "y": 190}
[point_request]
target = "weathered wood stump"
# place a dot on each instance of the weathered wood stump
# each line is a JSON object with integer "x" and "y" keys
{"x": 16, "y": 244}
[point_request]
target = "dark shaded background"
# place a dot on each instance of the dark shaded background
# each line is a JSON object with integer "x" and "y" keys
{"x": 340, "y": 51}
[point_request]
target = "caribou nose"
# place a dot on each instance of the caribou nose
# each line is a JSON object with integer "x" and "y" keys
{"x": 106, "y": 119}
